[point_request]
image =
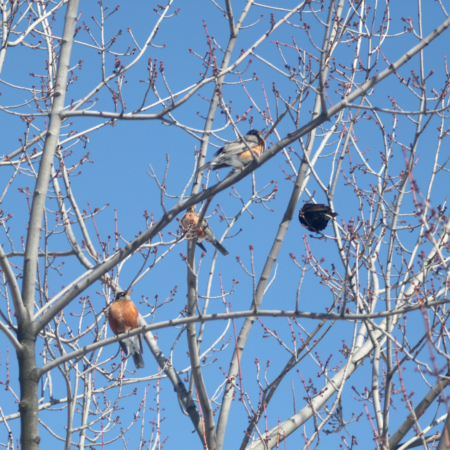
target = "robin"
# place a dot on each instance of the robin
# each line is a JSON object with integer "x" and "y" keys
{"x": 123, "y": 316}
{"x": 237, "y": 153}
{"x": 315, "y": 217}
{"x": 189, "y": 225}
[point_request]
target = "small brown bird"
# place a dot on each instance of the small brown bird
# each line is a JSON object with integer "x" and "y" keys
{"x": 123, "y": 316}
{"x": 236, "y": 153}
{"x": 315, "y": 217}
{"x": 189, "y": 225}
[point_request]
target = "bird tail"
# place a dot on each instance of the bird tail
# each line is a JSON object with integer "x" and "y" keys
{"x": 205, "y": 166}
{"x": 200, "y": 244}
{"x": 220, "y": 247}
{"x": 138, "y": 361}
{"x": 134, "y": 344}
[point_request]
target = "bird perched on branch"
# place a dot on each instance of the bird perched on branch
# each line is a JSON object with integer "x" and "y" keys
{"x": 237, "y": 154}
{"x": 123, "y": 316}
{"x": 315, "y": 217}
{"x": 189, "y": 225}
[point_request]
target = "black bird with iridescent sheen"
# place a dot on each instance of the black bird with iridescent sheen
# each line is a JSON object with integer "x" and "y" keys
{"x": 315, "y": 217}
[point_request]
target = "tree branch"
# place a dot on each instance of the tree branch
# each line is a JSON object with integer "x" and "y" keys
{"x": 13, "y": 286}
{"x": 234, "y": 315}
{"x": 51, "y": 141}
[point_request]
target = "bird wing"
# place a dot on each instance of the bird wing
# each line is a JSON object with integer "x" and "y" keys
{"x": 238, "y": 146}
{"x": 209, "y": 234}
{"x": 124, "y": 347}
{"x": 212, "y": 239}
{"x": 140, "y": 343}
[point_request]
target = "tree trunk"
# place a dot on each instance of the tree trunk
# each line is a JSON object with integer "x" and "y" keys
{"x": 28, "y": 406}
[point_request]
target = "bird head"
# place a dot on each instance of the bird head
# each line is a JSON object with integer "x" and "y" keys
{"x": 124, "y": 295}
{"x": 255, "y": 132}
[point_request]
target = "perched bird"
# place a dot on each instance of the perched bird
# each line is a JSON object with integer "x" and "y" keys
{"x": 189, "y": 225}
{"x": 315, "y": 217}
{"x": 123, "y": 316}
{"x": 236, "y": 154}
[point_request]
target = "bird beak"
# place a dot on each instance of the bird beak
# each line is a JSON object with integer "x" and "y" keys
{"x": 129, "y": 292}
{"x": 260, "y": 131}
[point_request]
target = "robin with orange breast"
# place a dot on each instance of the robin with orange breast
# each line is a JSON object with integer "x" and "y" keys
{"x": 189, "y": 225}
{"x": 123, "y": 316}
{"x": 238, "y": 153}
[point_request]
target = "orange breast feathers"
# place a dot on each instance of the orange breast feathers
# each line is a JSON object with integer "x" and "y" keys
{"x": 247, "y": 155}
{"x": 122, "y": 316}
{"x": 189, "y": 224}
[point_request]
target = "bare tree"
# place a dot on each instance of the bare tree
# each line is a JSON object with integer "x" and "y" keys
{"x": 353, "y": 98}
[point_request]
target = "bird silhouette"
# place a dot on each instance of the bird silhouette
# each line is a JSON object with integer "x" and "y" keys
{"x": 315, "y": 217}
